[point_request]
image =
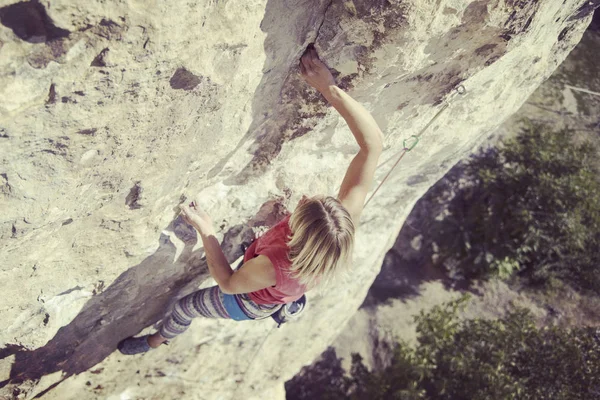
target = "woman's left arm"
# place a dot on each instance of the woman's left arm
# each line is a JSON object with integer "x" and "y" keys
{"x": 218, "y": 266}
{"x": 254, "y": 276}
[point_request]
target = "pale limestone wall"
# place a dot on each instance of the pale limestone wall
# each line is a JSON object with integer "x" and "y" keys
{"x": 409, "y": 283}
{"x": 202, "y": 98}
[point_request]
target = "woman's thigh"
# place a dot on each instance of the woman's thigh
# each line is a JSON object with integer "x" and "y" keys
{"x": 213, "y": 303}
{"x": 208, "y": 303}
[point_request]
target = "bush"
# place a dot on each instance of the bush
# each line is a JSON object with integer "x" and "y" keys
{"x": 477, "y": 359}
{"x": 532, "y": 206}
{"x": 508, "y": 358}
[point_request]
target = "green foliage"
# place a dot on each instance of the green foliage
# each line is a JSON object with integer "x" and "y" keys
{"x": 530, "y": 206}
{"x": 469, "y": 360}
{"x": 508, "y": 358}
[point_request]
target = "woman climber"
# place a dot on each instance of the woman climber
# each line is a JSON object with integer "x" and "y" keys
{"x": 307, "y": 247}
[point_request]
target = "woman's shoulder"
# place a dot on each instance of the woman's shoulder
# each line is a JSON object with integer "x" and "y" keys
{"x": 279, "y": 230}
{"x": 274, "y": 244}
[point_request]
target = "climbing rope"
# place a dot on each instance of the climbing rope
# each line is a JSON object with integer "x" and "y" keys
{"x": 583, "y": 90}
{"x": 411, "y": 142}
{"x": 258, "y": 349}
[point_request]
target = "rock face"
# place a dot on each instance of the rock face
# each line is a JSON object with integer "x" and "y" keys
{"x": 111, "y": 115}
{"x": 409, "y": 282}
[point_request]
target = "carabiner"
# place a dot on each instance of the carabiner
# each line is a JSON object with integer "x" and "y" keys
{"x": 412, "y": 146}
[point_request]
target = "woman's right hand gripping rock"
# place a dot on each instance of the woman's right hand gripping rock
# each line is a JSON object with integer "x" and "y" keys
{"x": 314, "y": 71}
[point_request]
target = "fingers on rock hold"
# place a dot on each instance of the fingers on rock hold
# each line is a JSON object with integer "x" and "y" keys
{"x": 185, "y": 210}
{"x": 308, "y": 56}
{"x": 311, "y": 61}
{"x": 313, "y": 55}
{"x": 302, "y": 68}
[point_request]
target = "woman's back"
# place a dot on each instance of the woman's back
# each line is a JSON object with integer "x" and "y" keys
{"x": 273, "y": 245}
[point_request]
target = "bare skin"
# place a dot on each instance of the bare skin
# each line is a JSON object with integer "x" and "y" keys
{"x": 353, "y": 191}
{"x": 157, "y": 339}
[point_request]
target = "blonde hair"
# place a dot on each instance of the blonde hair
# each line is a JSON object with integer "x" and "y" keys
{"x": 321, "y": 242}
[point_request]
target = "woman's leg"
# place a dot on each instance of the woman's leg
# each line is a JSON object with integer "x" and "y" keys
{"x": 156, "y": 340}
{"x": 206, "y": 303}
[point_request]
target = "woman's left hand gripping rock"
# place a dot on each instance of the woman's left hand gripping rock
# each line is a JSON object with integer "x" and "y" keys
{"x": 197, "y": 217}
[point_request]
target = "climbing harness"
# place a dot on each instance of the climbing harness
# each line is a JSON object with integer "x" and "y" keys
{"x": 289, "y": 311}
{"x": 411, "y": 142}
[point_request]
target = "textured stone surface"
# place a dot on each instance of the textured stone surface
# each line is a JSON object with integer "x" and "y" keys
{"x": 408, "y": 282}
{"x": 111, "y": 114}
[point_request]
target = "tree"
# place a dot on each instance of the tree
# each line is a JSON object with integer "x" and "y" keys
{"x": 477, "y": 359}
{"x": 529, "y": 206}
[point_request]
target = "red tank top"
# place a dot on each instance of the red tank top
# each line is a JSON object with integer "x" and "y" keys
{"x": 273, "y": 245}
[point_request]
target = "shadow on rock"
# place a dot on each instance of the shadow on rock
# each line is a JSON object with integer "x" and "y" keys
{"x": 414, "y": 260}
{"x": 326, "y": 378}
{"x": 281, "y": 93}
{"x": 138, "y": 298}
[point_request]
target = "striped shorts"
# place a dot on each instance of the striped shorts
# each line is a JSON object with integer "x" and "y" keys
{"x": 212, "y": 303}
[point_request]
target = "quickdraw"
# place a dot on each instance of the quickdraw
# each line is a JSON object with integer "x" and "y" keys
{"x": 411, "y": 142}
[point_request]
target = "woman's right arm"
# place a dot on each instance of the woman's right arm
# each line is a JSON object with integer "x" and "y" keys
{"x": 360, "y": 174}
{"x": 364, "y": 128}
